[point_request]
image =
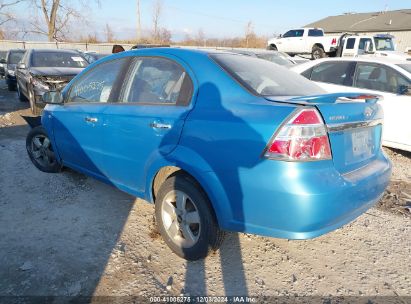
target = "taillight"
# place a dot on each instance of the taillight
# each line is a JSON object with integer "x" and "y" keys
{"x": 302, "y": 138}
{"x": 334, "y": 41}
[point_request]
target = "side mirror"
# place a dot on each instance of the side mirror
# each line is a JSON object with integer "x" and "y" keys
{"x": 3, "y": 61}
{"x": 281, "y": 36}
{"x": 21, "y": 66}
{"x": 404, "y": 90}
{"x": 52, "y": 97}
{"x": 368, "y": 48}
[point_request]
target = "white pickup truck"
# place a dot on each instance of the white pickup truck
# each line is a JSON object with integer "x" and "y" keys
{"x": 313, "y": 41}
{"x": 305, "y": 41}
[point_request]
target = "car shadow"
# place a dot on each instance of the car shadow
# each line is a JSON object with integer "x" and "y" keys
{"x": 58, "y": 241}
{"x": 225, "y": 157}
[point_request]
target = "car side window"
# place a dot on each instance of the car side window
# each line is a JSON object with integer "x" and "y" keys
{"x": 98, "y": 84}
{"x": 350, "y": 44}
{"x": 379, "y": 78}
{"x": 155, "y": 80}
{"x": 361, "y": 45}
{"x": 289, "y": 34}
{"x": 333, "y": 72}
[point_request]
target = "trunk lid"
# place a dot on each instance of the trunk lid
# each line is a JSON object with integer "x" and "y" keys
{"x": 354, "y": 123}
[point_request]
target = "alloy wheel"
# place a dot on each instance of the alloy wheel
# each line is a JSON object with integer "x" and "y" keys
{"x": 42, "y": 151}
{"x": 181, "y": 218}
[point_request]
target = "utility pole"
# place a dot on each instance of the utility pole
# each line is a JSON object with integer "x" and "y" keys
{"x": 138, "y": 22}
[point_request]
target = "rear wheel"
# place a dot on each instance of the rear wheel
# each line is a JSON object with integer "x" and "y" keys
{"x": 185, "y": 219}
{"x": 317, "y": 52}
{"x": 41, "y": 152}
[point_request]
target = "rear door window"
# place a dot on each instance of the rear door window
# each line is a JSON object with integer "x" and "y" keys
{"x": 315, "y": 33}
{"x": 155, "y": 80}
{"x": 379, "y": 78}
{"x": 333, "y": 72}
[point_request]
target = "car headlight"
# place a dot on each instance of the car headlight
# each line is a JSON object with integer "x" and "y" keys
{"x": 11, "y": 73}
{"x": 39, "y": 84}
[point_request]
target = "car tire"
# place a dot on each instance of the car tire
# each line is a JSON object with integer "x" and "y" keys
{"x": 34, "y": 108}
{"x": 41, "y": 151}
{"x": 21, "y": 96}
{"x": 11, "y": 87}
{"x": 272, "y": 47}
{"x": 317, "y": 53}
{"x": 185, "y": 218}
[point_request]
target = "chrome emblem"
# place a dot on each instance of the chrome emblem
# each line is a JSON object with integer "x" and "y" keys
{"x": 368, "y": 112}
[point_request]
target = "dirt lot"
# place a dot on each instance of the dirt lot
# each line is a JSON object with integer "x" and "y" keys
{"x": 67, "y": 234}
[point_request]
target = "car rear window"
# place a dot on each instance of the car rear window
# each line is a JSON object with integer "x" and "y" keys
{"x": 406, "y": 67}
{"x": 265, "y": 78}
{"x": 58, "y": 60}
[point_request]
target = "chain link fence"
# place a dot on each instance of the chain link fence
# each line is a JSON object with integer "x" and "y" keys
{"x": 104, "y": 48}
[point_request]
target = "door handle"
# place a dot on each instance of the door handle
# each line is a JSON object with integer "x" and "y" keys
{"x": 159, "y": 125}
{"x": 91, "y": 119}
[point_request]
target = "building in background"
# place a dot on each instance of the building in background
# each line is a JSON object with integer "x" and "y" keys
{"x": 396, "y": 23}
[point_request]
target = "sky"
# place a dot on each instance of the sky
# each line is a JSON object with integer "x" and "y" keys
{"x": 225, "y": 18}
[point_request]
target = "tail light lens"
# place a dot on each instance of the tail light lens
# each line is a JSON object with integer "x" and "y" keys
{"x": 302, "y": 138}
{"x": 334, "y": 41}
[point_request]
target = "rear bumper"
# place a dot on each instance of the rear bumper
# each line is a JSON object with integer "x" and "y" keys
{"x": 303, "y": 200}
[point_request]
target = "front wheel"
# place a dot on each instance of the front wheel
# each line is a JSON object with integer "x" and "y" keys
{"x": 272, "y": 47}
{"x": 185, "y": 219}
{"x": 41, "y": 152}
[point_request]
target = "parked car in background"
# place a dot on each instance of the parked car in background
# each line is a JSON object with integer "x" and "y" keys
{"x": 46, "y": 70}
{"x": 273, "y": 56}
{"x": 219, "y": 141}
{"x": 3, "y": 55}
{"x": 93, "y": 56}
{"x": 313, "y": 41}
{"x": 13, "y": 57}
{"x": 389, "y": 78}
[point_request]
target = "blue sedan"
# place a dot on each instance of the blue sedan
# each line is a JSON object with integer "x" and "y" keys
{"x": 219, "y": 142}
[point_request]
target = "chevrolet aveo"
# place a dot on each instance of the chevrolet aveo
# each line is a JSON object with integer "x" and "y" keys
{"x": 218, "y": 142}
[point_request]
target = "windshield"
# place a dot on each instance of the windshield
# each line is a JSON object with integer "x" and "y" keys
{"x": 58, "y": 60}
{"x": 15, "y": 57}
{"x": 276, "y": 58}
{"x": 265, "y": 78}
{"x": 384, "y": 44}
{"x": 406, "y": 67}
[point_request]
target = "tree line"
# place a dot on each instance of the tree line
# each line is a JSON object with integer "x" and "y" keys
{"x": 63, "y": 20}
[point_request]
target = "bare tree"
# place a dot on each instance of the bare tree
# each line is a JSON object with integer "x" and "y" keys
{"x": 249, "y": 33}
{"x": 201, "y": 38}
{"x": 6, "y": 16}
{"x": 157, "y": 11}
{"x": 138, "y": 21}
{"x": 109, "y": 33}
{"x": 57, "y": 15}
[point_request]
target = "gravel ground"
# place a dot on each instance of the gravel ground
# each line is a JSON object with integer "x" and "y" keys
{"x": 70, "y": 235}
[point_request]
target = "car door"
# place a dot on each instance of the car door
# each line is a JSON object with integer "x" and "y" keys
{"x": 147, "y": 122}
{"x": 386, "y": 81}
{"x": 78, "y": 125}
{"x": 23, "y": 76}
